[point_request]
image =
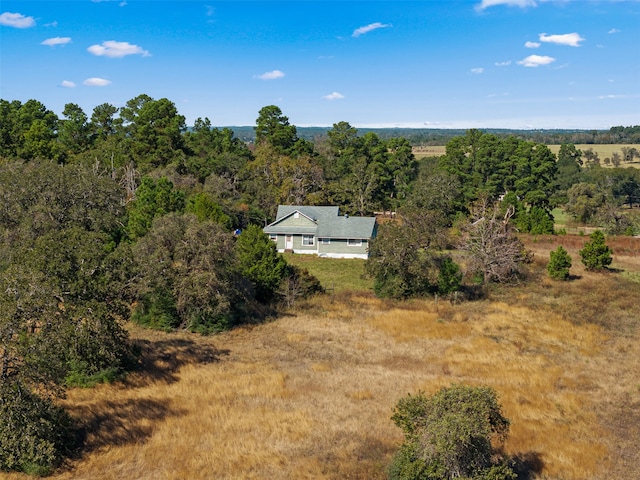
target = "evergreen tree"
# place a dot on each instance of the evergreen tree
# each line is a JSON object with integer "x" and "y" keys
{"x": 596, "y": 254}
{"x": 559, "y": 264}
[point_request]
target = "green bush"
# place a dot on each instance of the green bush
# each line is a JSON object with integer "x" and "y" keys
{"x": 449, "y": 277}
{"x": 450, "y": 435}
{"x": 559, "y": 264}
{"x": 35, "y": 434}
{"x": 596, "y": 255}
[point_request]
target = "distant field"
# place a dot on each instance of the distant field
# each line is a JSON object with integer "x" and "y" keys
{"x": 603, "y": 151}
{"x": 429, "y": 151}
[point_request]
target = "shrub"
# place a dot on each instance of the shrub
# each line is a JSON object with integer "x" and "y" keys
{"x": 559, "y": 264}
{"x": 450, "y": 434}
{"x": 449, "y": 277}
{"x": 596, "y": 255}
{"x": 35, "y": 433}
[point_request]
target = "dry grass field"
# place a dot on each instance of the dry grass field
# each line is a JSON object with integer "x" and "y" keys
{"x": 310, "y": 395}
{"x": 603, "y": 151}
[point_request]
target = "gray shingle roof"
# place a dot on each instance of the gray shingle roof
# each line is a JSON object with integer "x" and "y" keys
{"x": 329, "y": 223}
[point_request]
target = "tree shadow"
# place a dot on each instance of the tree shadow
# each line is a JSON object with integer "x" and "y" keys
{"x": 160, "y": 361}
{"x": 125, "y": 420}
{"x": 527, "y": 466}
{"x": 117, "y": 422}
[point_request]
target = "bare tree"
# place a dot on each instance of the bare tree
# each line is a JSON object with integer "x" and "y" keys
{"x": 493, "y": 250}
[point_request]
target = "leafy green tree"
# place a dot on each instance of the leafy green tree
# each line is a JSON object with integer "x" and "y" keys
{"x": 449, "y": 276}
{"x": 214, "y": 151}
{"x": 450, "y": 434}
{"x": 584, "y": 200}
{"x": 103, "y": 121}
{"x": 73, "y": 133}
{"x": 596, "y": 254}
{"x": 153, "y": 132}
{"x": 187, "y": 272}
{"x": 559, "y": 264}
{"x": 260, "y": 262}
{"x": 35, "y": 433}
{"x": 205, "y": 208}
{"x": 399, "y": 266}
{"x": 273, "y": 127}
{"x": 153, "y": 199}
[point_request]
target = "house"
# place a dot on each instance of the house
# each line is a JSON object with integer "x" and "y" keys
{"x": 321, "y": 231}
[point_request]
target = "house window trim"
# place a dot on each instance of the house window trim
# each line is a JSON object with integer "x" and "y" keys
{"x": 305, "y": 240}
{"x": 325, "y": 241}
{"x": 273, "y": 237}
{"x": 354, "y": 242}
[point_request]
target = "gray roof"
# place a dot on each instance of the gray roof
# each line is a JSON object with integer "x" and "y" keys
{"x": 328, "y": 223}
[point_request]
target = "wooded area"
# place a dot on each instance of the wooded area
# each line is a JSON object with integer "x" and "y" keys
{"x": 129, "y": 214}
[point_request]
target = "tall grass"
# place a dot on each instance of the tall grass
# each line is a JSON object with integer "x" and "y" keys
{"x": 310, "y": 395}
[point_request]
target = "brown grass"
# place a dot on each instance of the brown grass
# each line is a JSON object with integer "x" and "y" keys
{"x": 310, "y": 395}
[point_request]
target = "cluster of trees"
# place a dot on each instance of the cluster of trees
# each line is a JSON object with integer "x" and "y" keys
{"x": 77, "y": 260}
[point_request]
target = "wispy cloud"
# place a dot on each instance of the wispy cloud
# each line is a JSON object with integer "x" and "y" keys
{"x": 67, "y": 84}
{"x": 16, "y": 20}
{"x": 210, "y": 11}
{"x": 570, "y": 39}
{"x": 532, "y": 44}
{"x": 96, "y": 82}
{"x": 272, "y": 75}
{"x": 369, "y": 28}
{"x": 536, "y": 61}
{"x": 503, "y": 64}
{"x": 510, "y": 3}
{"x": 334, "y": 96}
{"x": 477, "y": 70}
{"x": 613, "y": 30}
{"x": 51, "y": 42}
{"x": 113, "y": 49}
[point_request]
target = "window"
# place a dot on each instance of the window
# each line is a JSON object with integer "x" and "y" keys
{"x": 325, "y": 241}
{"x": 273, "y": 237}
{"x": 307, "y": 240}
{"x": 354, "y": 242}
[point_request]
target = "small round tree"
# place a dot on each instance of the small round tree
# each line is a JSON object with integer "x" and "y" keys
{"x": 596, "y": 254}
{"x": 451, "y": 435}
{"x": 559, "y": 264}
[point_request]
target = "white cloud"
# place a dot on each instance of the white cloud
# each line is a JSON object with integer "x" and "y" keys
{"x": 477, "y": 70}
{"x": 56, "y": 41}
{"x": 16, "y": 20}
{"x": 503, "y": 64}
{"x": 96, "y": 82}
{"x": 114, "y": 49}
{"x": 536, "y": 60}
{"x": 532, "y": 44}
{"x": 613, "y": 30}
{"x": 334, "y": 96}
{"x": 570, "y": 39}
{"x": 511, "y": 3}
{"x": 67, "y": 84}
{"x": 369, "y": 28}
{"x": 272, "y": 75}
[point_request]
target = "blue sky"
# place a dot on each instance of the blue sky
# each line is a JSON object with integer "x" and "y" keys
{"x": 433, "y": 63}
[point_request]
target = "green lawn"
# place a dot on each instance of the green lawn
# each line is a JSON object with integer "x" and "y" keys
{"x": 339, "y": 274}
{"x": 559, "y": 216}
